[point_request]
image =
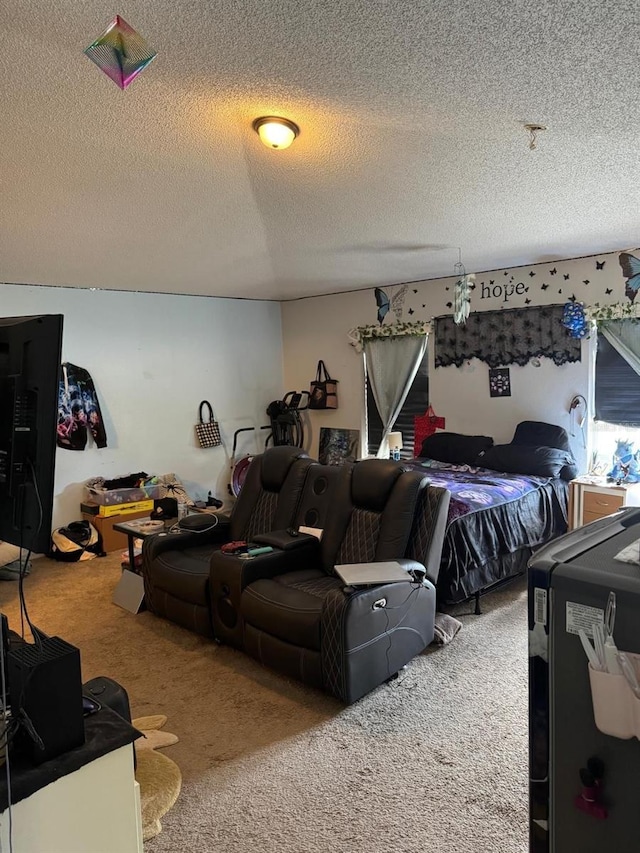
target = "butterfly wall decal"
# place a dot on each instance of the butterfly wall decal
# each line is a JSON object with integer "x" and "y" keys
{"x": 395, "y": 302}
{"x": 631, "y": 271}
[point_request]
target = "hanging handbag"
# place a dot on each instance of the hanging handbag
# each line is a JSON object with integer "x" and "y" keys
{"x": 207, "y": 432}
{"x": 424, "y": 426}
{"x": 323, "y": 391}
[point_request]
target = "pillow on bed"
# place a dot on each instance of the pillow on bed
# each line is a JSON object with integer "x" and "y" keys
{"x": 547, "y": 435}
{"x": 526, "y": 459}
{"x": 455, "y": 448}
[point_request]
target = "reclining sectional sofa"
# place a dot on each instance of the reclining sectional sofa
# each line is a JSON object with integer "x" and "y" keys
{"x": 288, "y": 608}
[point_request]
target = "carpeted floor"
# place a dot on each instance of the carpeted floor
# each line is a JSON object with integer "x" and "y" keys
{"x": 434, "y": 762}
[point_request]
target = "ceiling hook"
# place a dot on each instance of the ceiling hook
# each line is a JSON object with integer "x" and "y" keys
{"x": 534, "y": 129}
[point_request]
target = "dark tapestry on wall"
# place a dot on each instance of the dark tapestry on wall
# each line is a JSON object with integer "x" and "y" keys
{"x": 510, "y": 336}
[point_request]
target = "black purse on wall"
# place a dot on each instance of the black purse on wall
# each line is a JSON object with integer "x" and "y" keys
{"x": 323, "y": 391}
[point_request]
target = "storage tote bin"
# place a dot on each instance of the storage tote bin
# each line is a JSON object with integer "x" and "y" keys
{"x": 110, "y": 497}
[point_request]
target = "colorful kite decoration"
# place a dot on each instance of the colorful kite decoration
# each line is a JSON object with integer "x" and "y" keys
{"x": 120, "y": 52}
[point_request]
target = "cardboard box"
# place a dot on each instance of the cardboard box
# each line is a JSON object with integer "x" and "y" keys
{"x": 117, "y": 509}
{"x": 112, "y": 540}
{"x": 126, "y": 509}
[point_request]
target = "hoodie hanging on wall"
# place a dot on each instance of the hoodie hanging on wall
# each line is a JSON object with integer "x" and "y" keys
{"x": 78, "y": 409}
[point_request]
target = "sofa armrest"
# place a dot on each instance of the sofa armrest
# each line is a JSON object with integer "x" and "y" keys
{"x": 285, "y": 540}
{"x": 413, "y": 568}
{"x": 243, "y": 571}
{"x": 369, "y": 632}
{"x": 177, "y": 539}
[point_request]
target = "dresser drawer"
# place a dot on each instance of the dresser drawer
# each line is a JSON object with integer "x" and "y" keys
{"x": 598, "y": 504}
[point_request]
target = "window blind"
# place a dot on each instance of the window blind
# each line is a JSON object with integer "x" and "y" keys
{"x": 617, "y": 387}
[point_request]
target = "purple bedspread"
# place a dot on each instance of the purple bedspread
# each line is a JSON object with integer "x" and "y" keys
{"x": 474, "y": 489}
{"x": 495, "y": 522}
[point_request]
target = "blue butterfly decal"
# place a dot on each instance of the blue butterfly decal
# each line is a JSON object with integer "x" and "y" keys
{"x": 383, "y": 302}
{"x": 631, "y": 271}
{"x": 395, "y": 302}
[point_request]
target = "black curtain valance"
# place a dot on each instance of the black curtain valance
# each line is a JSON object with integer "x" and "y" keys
{"x": 510, "y": 336}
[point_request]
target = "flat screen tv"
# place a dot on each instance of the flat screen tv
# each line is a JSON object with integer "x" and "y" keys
{"x": 30, "y": 357}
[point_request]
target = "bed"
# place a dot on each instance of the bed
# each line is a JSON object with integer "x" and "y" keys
{"x": 497, "y": 518}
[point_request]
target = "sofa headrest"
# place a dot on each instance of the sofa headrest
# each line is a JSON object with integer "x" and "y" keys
{"x": 373, "y": 481}
{"x": 276, "y": 463}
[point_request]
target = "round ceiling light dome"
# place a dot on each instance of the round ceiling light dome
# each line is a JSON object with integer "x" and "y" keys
{"x": 275, "y": 132}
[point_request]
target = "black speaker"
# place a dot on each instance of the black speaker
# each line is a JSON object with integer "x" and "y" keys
{"x": 45, "y": 685}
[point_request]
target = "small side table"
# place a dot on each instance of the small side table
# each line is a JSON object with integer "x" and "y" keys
{"x": 129, "y": 591}
{"x": 591, "y": 498}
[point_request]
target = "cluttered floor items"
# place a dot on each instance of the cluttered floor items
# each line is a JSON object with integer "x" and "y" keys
{"x": 11, "y": 564}
{"x": 109, "y": 503}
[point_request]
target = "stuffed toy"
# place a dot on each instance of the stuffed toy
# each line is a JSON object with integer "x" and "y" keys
{"x": 626, "y": 463}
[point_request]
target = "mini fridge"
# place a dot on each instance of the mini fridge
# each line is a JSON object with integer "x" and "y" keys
{"x": 584, "y": 724}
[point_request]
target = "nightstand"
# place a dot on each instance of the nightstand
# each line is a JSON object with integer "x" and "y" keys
{"x": 591, "y": 498}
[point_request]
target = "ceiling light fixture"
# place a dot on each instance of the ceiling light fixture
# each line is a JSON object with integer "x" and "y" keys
{"x": 534, "y": 129}
{"x": 275, "y": 132}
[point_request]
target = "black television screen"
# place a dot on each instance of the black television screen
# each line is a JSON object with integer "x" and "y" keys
{"x": 30, "y": 356}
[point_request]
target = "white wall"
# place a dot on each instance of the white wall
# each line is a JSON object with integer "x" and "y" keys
{"x": 153, "y": 358}
{"x": 317, "y": 328}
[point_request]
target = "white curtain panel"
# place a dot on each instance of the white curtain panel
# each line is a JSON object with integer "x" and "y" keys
{"x": 392, "y": 364}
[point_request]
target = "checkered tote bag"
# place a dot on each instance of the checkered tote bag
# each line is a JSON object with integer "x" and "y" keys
{"x": 207, "y": 432}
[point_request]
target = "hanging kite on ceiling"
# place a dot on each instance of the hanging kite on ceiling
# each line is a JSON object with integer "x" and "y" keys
{"x": 120, "y": 52}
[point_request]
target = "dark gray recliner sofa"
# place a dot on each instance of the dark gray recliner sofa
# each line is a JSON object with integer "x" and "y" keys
{"x": 176, "y": 566}
{"x": 289, "y": 609}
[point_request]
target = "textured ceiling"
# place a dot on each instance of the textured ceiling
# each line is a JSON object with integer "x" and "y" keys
{"x": 412, "y": 141}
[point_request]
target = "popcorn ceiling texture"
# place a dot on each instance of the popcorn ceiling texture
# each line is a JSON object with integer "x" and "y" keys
{"x": 412, "y": 136}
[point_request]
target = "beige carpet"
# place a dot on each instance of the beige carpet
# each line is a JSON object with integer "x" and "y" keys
{"x": 434, "y": 762}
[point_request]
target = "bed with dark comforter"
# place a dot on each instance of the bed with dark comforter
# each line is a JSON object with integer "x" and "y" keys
{"x": 497, "y": 518}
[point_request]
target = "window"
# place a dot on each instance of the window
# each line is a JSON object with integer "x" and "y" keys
{"x": 617, "y": 387}
{"x": 417, "y": 403}
{"x": 617, "y": 403}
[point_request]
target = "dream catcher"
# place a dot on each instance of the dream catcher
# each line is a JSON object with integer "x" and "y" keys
{"x": 395, "y": 302}
{"x": 462, "y": 294}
